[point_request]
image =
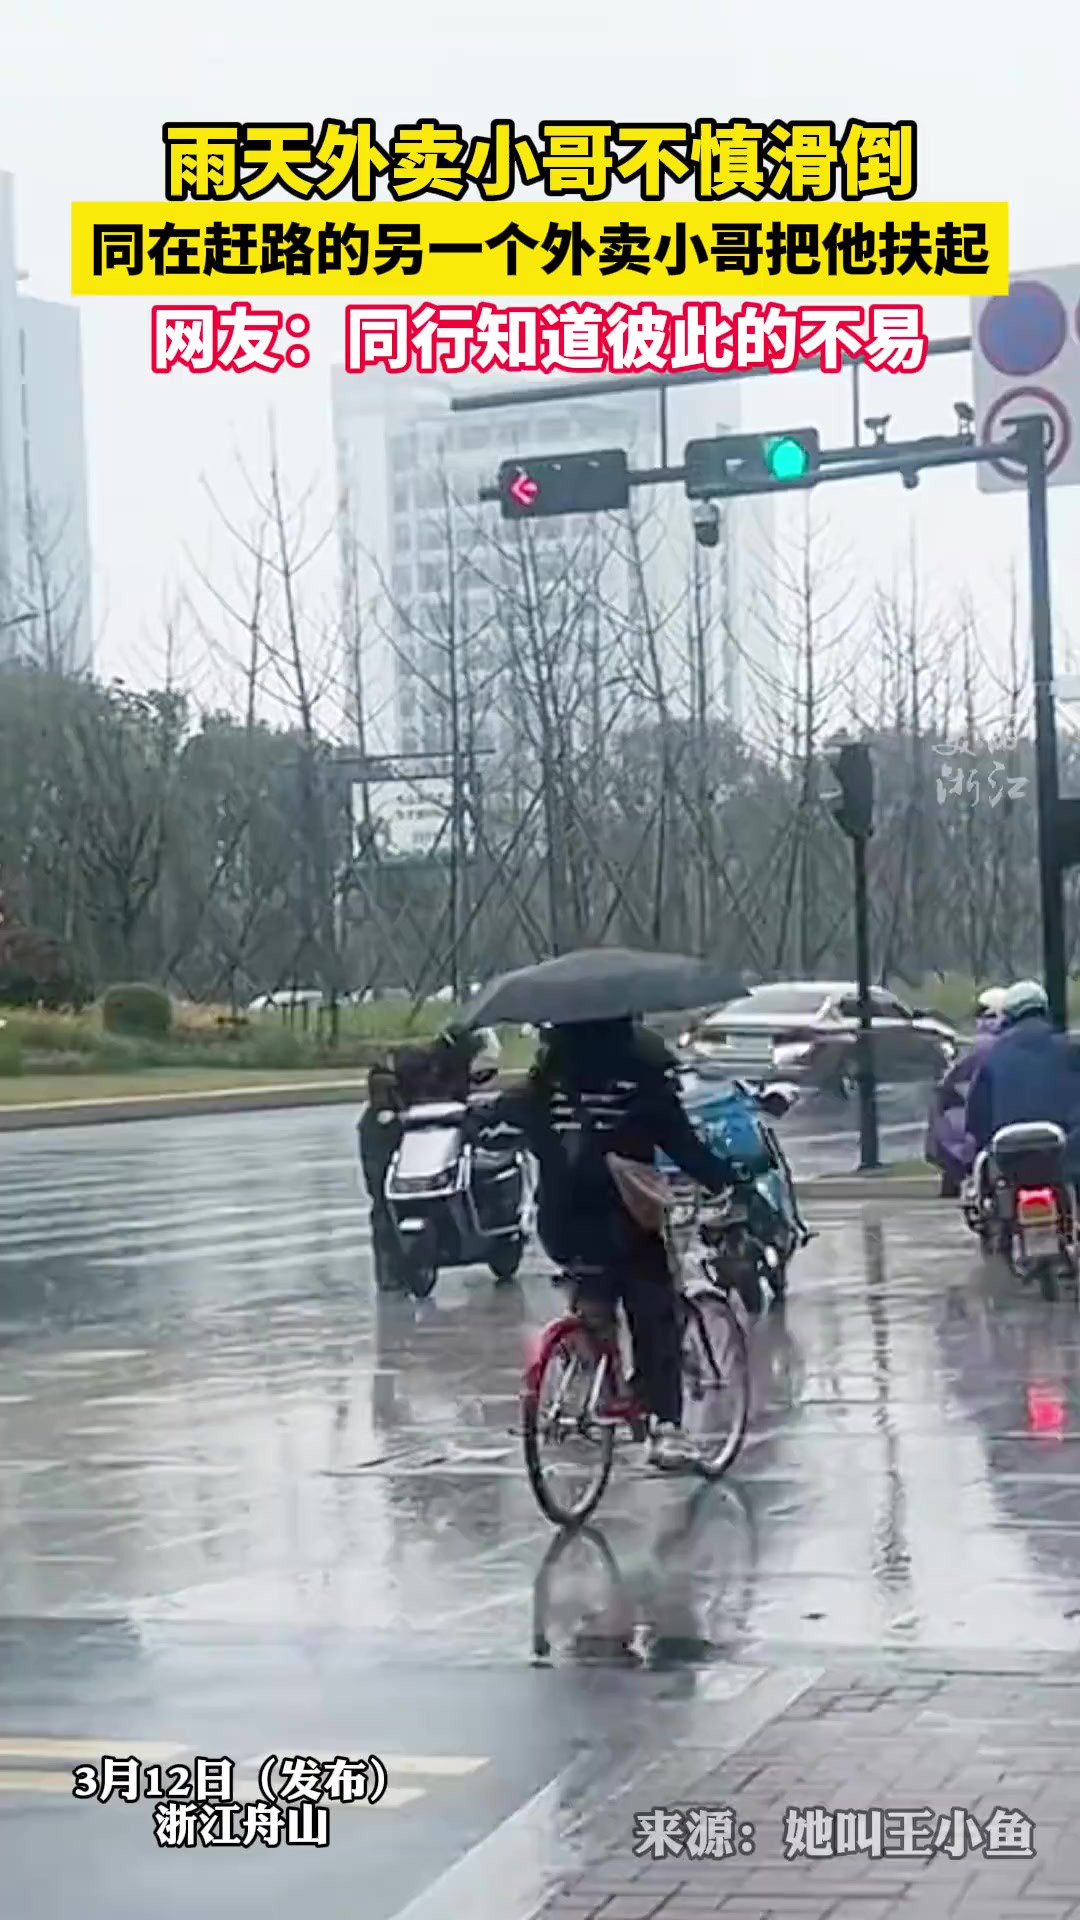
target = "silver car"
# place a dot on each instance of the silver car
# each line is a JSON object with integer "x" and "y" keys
{"x": 806, "y": 1030}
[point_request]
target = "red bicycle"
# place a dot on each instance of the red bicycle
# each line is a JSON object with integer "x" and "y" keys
{"x": 576, "y": 1402}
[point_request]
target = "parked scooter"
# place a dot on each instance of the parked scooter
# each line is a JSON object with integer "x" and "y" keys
{"x": 450, "y": 1203}
{"x": 759, "y": 1241}
{"x": 1022, "y": 1205}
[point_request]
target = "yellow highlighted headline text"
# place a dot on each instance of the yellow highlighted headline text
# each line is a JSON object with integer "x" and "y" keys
{"x": 565, "y": 159}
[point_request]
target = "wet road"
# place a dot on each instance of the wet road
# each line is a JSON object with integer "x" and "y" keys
{"x": 245, "y": 1507}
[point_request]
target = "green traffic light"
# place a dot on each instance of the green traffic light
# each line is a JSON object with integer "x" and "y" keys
{"x": 787, "y": 459}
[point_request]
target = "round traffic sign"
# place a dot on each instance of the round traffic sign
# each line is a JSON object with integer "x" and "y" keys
{"x": 1012, "y": 406}
{"x": 1022, "y": 331}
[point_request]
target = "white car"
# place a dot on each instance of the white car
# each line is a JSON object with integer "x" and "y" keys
{"x": 288, "y": 997}
{"x": 806, "y": 1030}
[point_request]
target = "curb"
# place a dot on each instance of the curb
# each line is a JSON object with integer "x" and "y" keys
{"x": 174, "y": 1106}
{"x": 869, "y": 1186}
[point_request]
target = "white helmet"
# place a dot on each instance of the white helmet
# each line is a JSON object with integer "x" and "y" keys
{"x": 1024, "y": 997}
{"x": 991, "y": 1002}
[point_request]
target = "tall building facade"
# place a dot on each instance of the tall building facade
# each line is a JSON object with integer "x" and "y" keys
{"x": 420, "y": 575}
{"x": 45, "y": 553}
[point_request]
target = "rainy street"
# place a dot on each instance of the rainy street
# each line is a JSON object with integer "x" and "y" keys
{"x": 248, "y": 1507}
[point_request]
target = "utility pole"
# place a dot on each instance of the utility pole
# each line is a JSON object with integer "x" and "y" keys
{"x": 1031, "y": 432}
{"x": 700, "y": 711}
{"x": 853, "y": 811}
{"x": 869, "y": 1149}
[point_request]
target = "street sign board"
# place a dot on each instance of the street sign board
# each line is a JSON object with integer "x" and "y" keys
{"x": 537, "y": 489}
{"x": 409, "y": 814}
{"x": 1025, "y": 350}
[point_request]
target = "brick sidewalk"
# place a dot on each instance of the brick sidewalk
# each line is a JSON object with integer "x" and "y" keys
{"x": 970, "y": 1742}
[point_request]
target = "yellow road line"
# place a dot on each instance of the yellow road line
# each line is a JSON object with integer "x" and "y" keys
{"x": 393, "y": 1797}
{"x": 435, "y": 1766}
{"x": 432, "y": 1766}
{"x": 60, "y": 1782}
{"x": 56, "y": 1747}
{"x": 76, "y": 1750}
{"x": 12, "y": 1782}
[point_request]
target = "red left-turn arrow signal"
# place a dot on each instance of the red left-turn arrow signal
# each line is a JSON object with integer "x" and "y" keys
{"x": 523, "y": 488}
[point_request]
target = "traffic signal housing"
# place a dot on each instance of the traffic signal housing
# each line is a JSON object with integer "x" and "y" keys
{"x": 1067, "y": 833}
{"x": 734, "y": 462}
{"x": 852, "y": 805}
{"x": 551, "y": 484}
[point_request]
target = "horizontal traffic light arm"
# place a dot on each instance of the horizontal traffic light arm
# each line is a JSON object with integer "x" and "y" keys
{"x": 837, "y": 463}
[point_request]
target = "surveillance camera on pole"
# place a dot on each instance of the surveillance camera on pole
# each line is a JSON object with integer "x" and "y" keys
{"x": 852, "y": 806}
{"x": 705, "y": 515}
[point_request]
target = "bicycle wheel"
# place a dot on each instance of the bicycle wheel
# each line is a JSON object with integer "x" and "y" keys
{"x": 568, "y": 1485}
{"x": 716, "y": 1381}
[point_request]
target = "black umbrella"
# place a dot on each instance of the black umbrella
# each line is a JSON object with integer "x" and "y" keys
{"x": 601, "y": 983}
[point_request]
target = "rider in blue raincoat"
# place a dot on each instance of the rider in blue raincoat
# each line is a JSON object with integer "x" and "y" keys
{"x": 1031, "y": 1073}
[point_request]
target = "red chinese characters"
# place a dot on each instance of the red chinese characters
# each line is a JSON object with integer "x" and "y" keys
{"x": 630, "y": 337}
{"x": 239, "y": 338}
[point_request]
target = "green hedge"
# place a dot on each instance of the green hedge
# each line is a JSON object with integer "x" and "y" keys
{"x": 11, "y": 1062}
{"x": 141, "y": 1011}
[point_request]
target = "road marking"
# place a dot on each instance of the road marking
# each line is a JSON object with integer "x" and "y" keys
{"x": 432, "y": 1766}
{"x": 250, "y": 1790}
{"x": 62, "y": 1748}
{"x": 59, "y": 1747}
{"x": 36, "y": 1783}
{"x": 94, "y": 1356}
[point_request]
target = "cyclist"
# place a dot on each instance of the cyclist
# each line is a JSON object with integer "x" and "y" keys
{"x": 599, "y": 1088}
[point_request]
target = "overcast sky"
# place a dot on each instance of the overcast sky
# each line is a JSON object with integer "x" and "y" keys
{"x": 993, "y": 93}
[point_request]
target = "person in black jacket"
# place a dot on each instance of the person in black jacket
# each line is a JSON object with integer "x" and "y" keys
{"x": 608, "y": 1087}
{"x": 379, "y": 1135}
{"x": 438, "y": 1071}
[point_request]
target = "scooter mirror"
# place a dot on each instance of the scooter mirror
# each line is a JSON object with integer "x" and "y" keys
{"x": 774, "y": 1104}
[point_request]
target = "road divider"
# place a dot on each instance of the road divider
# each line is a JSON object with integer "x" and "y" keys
{"x": 61, "y": 1112}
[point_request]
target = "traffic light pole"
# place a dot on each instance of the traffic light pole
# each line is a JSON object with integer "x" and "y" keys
{"x": 1046, "y": 754}
{"x": 869, "y": 1150}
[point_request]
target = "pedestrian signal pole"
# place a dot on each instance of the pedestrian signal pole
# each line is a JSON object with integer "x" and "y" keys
{"x": 853, "y": 811}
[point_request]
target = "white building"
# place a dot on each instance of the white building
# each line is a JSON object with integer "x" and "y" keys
{"x": 45, "y": 559}
{"x": 410, "y": 472}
